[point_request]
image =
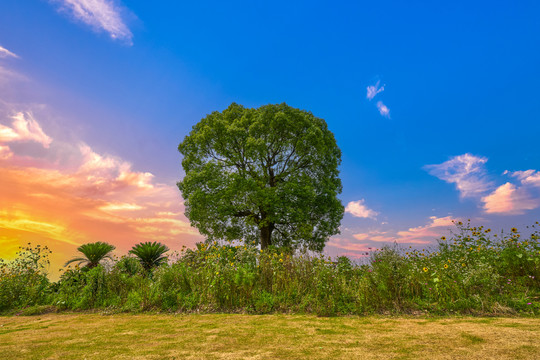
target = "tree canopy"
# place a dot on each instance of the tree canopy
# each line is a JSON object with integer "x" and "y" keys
{"x": 267, "y": 175}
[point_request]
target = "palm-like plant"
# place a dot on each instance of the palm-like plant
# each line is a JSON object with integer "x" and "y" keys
{"x": 150, "y": 254}
{"x": 93, "y": 253}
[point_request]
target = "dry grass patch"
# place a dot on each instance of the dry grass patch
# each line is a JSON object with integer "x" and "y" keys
{"x": 86, "y": 336}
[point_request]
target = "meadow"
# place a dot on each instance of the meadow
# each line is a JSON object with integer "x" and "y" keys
{"x": 472, "y": 272}
{"x": 233, "y": 336}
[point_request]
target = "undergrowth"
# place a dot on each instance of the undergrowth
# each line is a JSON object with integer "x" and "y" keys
{"x": 472, "y": 272}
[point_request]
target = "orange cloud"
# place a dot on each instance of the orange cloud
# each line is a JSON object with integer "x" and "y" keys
{"x": 91, "y": 197}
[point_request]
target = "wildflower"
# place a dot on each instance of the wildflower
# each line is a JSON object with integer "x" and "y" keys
{"x": 449, "y": 261}
{"x": 443, "y": 238}
{"x": 446, "y": 266}
{"x": 425, "y": 269}
{"x": 217, "y": 272}
{"x": 463, "y": 264}
{"x": 514, "y": 230}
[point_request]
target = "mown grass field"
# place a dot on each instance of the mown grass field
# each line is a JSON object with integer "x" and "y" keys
{"x": 218, "y": 336}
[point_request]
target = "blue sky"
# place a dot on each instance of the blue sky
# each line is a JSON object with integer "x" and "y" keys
{"x": 450, "y": 133}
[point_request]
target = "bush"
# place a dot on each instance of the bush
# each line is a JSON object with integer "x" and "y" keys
{"x": 471, "y": 272}
{"x": 23, "y": 281}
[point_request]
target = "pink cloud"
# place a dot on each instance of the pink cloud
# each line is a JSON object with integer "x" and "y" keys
{"x": 432, "y": 230}
{"x": 361, "y": 236}
{"x": 351, "y": 246}
{"x": 381, "y": 238}
{"x": 5, "y": 152}
{"x": 24, "y": 128}
{"x": 509, "y": 199}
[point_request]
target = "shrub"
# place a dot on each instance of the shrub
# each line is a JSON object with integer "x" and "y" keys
{"x": 471, "y": 272}
{"x": 23, "y": 281}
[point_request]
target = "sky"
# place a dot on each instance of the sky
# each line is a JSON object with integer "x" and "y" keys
{"x": 434, "y": 106}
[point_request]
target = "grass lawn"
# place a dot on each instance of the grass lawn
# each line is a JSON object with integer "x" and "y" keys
{"x": 125, "y": 336}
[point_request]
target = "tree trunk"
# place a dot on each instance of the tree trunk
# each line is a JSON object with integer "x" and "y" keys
{"x": 266, "y": 236}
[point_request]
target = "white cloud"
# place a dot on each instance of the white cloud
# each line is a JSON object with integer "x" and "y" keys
{"x": 528, "y": 177}
{"x": 358, "y": 209}
{"x": 466, "y": 171}
{"x": 5, "y": 53}
{"x": 373, "y": 90}
{"x": 24, "y": 128}
{"x": 383, "y": 109}
{"x": 101, "y": 15}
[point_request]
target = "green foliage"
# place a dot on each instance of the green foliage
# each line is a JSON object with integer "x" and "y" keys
{"x": 150, "y": 254}
{"x": 93, "y": 254}
{"x": 268, "y": 175}
{"x": 23, "y": 281}
{"x": 472, "y": 272}
{"x": 129, "y": 266}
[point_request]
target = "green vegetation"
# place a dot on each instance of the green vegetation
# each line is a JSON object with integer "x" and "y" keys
{"x": 150, "y": 254}
{"x": 93, "y": 254}
{"x": 23, "y": 282}
{"x": 471, "y": 272}
{"x": 217, "y": 336}
{"x": 268, "y": 175}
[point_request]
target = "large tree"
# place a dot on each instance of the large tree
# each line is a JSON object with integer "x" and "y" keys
{"x": 268, "y": 175}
